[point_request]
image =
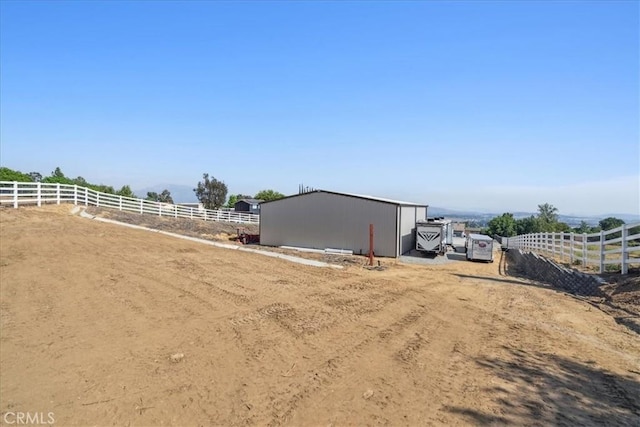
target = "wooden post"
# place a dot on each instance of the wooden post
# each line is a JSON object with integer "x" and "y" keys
{"x": 75, "y": 194}
{"x": 15, "y": 194}
{"x": 370, "y": 244}
{"x": 58, "y": 193}
{"x": 584, "y": 250}
{"x": 39, "y": 194}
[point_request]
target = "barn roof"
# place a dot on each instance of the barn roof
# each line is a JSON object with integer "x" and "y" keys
{"x": 251, "y": 201}
{"x": 359, "y": 196}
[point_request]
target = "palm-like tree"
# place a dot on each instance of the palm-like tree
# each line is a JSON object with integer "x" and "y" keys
{"x": 548, "y": 213}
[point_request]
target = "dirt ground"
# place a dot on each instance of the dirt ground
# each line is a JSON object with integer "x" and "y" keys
{"x": 106, "y": 325}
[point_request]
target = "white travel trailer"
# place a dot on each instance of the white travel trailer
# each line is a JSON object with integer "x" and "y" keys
{"x": 479, "y": 247}
{"x": 434, "y": 235}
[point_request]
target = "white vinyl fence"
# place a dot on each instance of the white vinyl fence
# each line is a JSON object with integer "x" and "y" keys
{"x": 35, "y": 193}
{"x": 618, "y": 247}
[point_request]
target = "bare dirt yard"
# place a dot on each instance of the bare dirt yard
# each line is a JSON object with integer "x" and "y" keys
{"x": 107, "y": 325}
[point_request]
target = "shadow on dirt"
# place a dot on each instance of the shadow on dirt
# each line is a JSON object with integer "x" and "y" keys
{"x": 545, "y": 389}
{"x": 456, "y": 256}
{"x": 495, "y": 279}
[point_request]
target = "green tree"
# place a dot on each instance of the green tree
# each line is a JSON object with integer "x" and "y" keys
{"x": 57, "y": 177}
{"x": 528, "y": 225}
{"x": 7, "y": 174}
{"x": 547, "y": 216}
{"x": 504, "y": 225}
{"x": 584, "y": 227}
{"x": 57, "y": 173}
{"x": 164, "y": 197}
{"x": 35, "y": 176}
{"x": 81, "y": 182}
{"x": 232, "y": 201}
{"x": 610, "y": 223}
{"x": 562, "y": 227}
{"x": 211, "y": 192}
{"x": 268, "y": 195}
{"x": 125, "y": 191}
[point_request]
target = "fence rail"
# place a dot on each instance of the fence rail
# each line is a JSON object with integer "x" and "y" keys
{"x": 15, "y": 194}
{"x": 618, "y": 246}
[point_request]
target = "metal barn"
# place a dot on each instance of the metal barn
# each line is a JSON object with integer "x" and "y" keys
{"x": 323, "y": 219}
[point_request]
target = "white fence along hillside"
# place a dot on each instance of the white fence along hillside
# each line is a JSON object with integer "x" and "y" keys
{"x": 35, "y": 193}
{"x": 612, "y": 247}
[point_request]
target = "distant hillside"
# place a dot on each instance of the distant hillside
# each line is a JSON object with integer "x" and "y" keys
{"x": 180, "y": 193}
{"x": 482, "y": 217}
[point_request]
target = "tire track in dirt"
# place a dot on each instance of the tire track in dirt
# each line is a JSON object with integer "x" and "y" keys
{"x": 333, "y": 367}
{"x": 173, "y": 291}
{"x": 236, "y": 298}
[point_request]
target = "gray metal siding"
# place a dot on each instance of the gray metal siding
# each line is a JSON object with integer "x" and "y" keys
{"x": 323, "y": 220}
{"x": 407, "y": 228}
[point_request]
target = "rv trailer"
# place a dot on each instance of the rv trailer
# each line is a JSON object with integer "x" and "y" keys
{"x": 434, "y": 235}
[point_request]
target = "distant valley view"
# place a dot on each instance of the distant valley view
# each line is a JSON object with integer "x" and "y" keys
{"x": 185, "y": 194}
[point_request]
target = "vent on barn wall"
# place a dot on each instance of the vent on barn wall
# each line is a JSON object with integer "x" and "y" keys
{"x": 305, "y": 189}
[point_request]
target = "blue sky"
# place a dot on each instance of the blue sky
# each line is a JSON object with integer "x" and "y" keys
{"x": 496, "y": 106}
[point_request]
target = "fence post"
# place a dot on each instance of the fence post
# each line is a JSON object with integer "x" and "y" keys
{"x": 75, "y": 194}
{"x": 86, "y": 196}
{"x": 175, "y": 211}
{"x": 159, "y": 209}
{"x": 120, "y": 203}
{"x": 624, "y": 265}
{"x": 553, "y": 244}
{"x": 191, "y": 212}
{"x": 141, "y": 207}
{"x": 97, "y": 198}
{"x": 571, "y": 240}
{"x": 584, "y": 249}
{"x": 58, "y": 193}
{"x": 602, "y": 251}
{"x": 39, "y": 194}
{"x": 15, "y": 194}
